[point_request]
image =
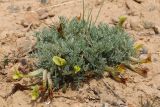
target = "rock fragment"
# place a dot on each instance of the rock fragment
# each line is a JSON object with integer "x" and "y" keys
{"x": 148, "y": 25}
{"x": 24, "y": 45}
{"x": 43, "y": 16}
{"x": 32, "y": 17}
{"x": 139, "y": 1}
{"x": 114, "y": 21}
{"x": 156, "y": 29}
{"x": 136, "y": 25}
{"x": 24, "y": 23}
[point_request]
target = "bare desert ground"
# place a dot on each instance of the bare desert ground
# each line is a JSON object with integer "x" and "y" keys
{"x": 19, "y": 19}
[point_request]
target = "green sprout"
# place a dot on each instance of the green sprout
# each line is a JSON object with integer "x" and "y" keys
{"x": 35, "y": 92}
{"x": 5, "y": 61}
{"x": 17, "y": 75}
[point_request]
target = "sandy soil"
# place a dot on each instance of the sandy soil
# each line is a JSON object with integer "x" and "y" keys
{"x": 19, "y": 20}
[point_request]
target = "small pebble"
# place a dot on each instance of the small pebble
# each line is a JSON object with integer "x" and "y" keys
{"x": 156, "y": 29}
{"x": 44, "y": 16}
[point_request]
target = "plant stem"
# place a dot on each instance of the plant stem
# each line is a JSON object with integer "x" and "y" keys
{"x": 89, "y": 15}
{"x": 99, "y": 12}
{"x": 83, "y": 10}
{"x": 45, "y": 78}
{"x": 50, "y": 82}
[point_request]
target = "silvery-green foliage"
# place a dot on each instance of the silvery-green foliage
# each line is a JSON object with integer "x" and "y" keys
{"x": 80, "y": 43}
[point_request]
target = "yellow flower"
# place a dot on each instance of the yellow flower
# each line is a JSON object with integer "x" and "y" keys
{"x": 77, "y": 68}
{"x": 59, "y": 61}
{"x": 121, "y": 68}
{"x": 122, "y": 19}
{"x": 17, "y": 75}
{"x": 35, "y": 92}
{"x": 137, "y": 47}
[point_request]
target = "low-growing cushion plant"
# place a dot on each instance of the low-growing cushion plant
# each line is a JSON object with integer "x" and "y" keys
{"x": 77, "y": 50}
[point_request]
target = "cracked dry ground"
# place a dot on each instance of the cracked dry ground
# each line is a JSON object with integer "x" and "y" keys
{"x": 18, "y": 21}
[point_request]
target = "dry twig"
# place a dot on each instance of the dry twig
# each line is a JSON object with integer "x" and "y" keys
{"x": 114, "y": 93}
